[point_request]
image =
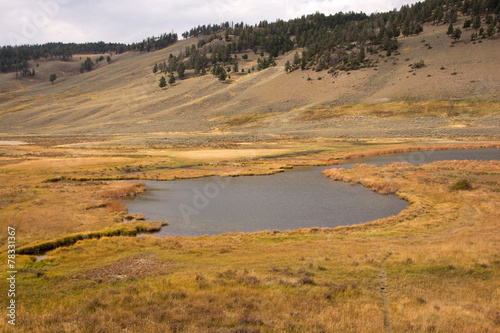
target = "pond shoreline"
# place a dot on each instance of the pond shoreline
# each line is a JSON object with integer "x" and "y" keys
{"x": 354, "y": 157}
{"x": 193, "y": 210}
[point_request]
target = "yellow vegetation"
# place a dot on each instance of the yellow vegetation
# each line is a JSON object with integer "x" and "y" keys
{"x": 433, "y": 267}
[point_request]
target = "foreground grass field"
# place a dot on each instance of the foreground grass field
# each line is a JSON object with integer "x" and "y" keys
{"x": 435, "y": 267}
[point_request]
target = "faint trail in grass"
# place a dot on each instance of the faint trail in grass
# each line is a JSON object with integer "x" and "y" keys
{"x": 383, "y": 293}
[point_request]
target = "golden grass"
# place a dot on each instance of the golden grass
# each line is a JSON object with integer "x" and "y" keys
{"x": 441, "y": 255}
{"x": 461, "y": 109}
{"x": 128, "y": 191}
{"x": 116, "y": 206}
{"x": 245, "y": 119}
{"x": 339, "y": 159}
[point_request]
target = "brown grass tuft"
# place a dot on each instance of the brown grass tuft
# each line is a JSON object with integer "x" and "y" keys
{"x": 117, "y": 206}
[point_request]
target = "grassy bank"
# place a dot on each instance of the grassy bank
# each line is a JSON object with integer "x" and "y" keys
{"x": 127, "y": 230}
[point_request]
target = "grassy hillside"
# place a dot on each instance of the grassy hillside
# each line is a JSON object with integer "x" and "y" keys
{"x": 123, "y": 97}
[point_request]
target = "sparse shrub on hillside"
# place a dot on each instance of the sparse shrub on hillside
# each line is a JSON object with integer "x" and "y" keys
{"x": 52, "y": 78}
{"x": 462, "y": 185}
{"x": 418, "y": 64}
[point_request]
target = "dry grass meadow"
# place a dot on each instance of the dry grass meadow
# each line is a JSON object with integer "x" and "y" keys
{"x": 92, "y": 139}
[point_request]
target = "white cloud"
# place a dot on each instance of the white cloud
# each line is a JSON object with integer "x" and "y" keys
{"x": 40, "y": 21}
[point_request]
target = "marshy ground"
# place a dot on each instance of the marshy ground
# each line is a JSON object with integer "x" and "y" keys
{"x": 434, "y": 267}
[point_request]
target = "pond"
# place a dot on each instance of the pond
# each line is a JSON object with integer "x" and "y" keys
{"x": 298, "y": 198}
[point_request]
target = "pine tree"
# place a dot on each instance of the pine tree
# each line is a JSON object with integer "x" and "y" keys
{"x": 163, "y": 82}
{"x": 361, "y": 55}
{"x": 406, "y": 27}
{"x": 87, "y": 65}
{"x": 491, "y": 30}
{"x": 450, "y": 30}
{"x": 288, "y": 67}
{"x": 489, "y": 19}
{"x": 155, "y": 68}
{"x": 476, "y": 24}
{"x": 222, "y": 75}
{"x": 180, "y": 70}
{"x": 171, "y": 79}
{"x": 52, "y": 78}
{"x": 296, "y": 59}
{"x": 457, "y": 34}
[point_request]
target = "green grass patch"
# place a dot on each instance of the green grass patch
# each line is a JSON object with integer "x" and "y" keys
{"x": 131, "y": 230}
{"x": 462, "y": 185}
{"x": 406, "y": 107}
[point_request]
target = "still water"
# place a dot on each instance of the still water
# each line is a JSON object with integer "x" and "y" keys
{"x": 298, "y": 198}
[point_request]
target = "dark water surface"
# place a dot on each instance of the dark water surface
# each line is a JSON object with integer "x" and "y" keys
{"x": 298, "y": 198}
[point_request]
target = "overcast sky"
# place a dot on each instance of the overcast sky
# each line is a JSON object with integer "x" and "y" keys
{"x": 127, "y": 21}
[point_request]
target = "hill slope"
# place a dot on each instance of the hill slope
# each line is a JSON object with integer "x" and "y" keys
{"x": 123, "y": 97}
